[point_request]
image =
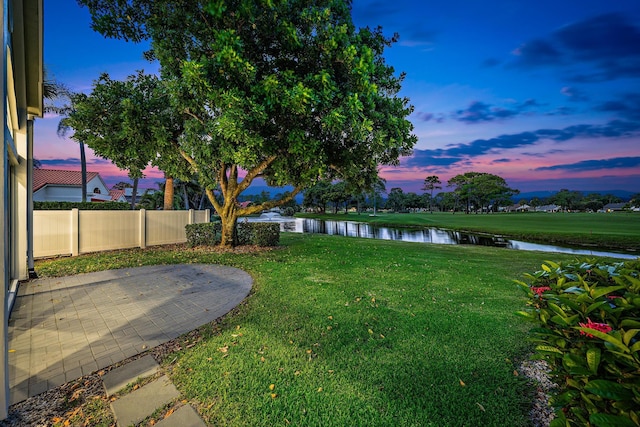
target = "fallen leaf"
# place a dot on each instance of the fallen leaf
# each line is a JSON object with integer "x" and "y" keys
{"x": 297, "y": 373}
{"x": 481, "y": 407}
{"x": 224, "y": 349}
{"x": 370, "y": 331}
{"x": 319, "y": 389}
{"x": 330, "y": 317}
{"x": 274, "y": 395}
{"x": 169, "y": 412}
{"x": 272, "y": 386}
{"x": 462, "y": 383}
{"x": 515, "y": 373}
{"x": 262, "y": 359}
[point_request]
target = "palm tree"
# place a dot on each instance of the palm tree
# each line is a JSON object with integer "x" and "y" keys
{"x": 59, "y": 100}
{"x": 63, "y": 130}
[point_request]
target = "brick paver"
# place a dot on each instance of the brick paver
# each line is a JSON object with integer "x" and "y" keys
{"x": 63, "y": 328}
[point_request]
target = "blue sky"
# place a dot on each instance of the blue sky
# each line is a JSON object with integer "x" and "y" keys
{"x": 545, "y": 94}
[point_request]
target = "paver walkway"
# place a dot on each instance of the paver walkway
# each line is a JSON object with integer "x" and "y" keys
{"x": 63, "y": 328}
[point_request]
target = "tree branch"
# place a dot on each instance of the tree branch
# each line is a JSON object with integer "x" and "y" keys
{"x": 270, "y": 204}
{"x": 255, "y": 172}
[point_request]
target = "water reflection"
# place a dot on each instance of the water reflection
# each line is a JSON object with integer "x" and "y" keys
{"x": 427, "y": 235}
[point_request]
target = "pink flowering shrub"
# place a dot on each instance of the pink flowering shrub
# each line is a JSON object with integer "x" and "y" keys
{"x": 587, "y": 317}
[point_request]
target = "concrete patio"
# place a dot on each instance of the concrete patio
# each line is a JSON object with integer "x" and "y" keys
{"x": 63, "y": 328}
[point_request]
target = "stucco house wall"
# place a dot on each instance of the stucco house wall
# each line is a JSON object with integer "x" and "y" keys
{"x": 22, "y": 87}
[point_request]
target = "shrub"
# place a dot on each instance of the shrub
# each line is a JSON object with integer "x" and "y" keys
{"x": 248, "y": 233}
{"x": 86, "y": 206}
{"x": 588, "y": 316}
{"x": 288, "y": 211}
{"x": 258, "y": 233}
{"x": 204, "y": 234}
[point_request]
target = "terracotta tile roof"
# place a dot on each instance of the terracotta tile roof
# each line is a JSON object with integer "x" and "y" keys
{"x": 116, "y": 194}
{"x": 42, "y": 177}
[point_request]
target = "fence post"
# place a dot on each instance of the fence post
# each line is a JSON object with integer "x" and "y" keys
{"x": 207, "y": 215}
{"x": 75, "y": 231}
{"x": 191, "y": 216}
{"x": 143, "y": 228}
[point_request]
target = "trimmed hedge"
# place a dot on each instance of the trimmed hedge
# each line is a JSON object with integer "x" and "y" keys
{"x": 247, "y": 233}
{"x": 258, "y": 233}
{"x": 588, "y": 318}
{"x": 205, "y": 234}
{"x": 86, "y": 206}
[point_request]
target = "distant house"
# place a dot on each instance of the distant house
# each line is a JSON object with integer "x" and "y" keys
{"x": 613, "y": 207}
{"x": 548, "y": 208}
{"x": 53, "y": 185}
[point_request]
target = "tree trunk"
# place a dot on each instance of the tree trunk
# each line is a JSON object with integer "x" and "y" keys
{"x": 168, "y": 193}
{"x": 134, "y": 193}
{"x": 185, "y": 196}
{"x": 83, "y": 172}
{"x": 229, "y": 218}
{"x": 229, "y": 237}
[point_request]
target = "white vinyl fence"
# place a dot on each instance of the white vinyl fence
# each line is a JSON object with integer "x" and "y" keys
{"x": 75, "y": 232}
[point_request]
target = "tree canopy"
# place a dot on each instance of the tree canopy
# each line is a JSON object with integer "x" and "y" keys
{"x": 131, "y": 123}
{"x": 480, "y": 190}
{"x": 289, "y": 91}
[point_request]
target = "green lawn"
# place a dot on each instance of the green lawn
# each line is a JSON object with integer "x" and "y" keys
{"x": 344, "y": 331}
{"x": 614, "y": 230}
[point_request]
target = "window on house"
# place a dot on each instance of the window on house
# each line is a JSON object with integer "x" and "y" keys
{"x": 96, "y": 190}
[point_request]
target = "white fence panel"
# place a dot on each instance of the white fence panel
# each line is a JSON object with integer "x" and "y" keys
{"x": 166, "y": 227}
{"x": 52, "y": 233}
{"x": 74, "y": 232}
{"x": 108, "y": 230}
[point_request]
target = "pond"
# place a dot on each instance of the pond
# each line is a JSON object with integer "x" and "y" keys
{"x": 423, "y": 235}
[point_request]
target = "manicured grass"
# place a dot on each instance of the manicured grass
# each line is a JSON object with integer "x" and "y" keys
{"x": 343, "y": 331}
{"x": 619, "y": 230}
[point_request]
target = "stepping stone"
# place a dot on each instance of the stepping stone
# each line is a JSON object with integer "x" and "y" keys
{"x": 117, "y": 379}
{"x": 139, "y": 404}
{"x": 185, "y": 416}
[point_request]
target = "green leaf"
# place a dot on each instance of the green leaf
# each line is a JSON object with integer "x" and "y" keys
{"x": 557, "y": 309}
{"x": 548, "y": 349}
{"x": 594, "y": 306}
{"x": 630, "y": 323}
{"x": 546, "y": 268}
{"x": 593, "y": 359}
{"x": 608, "y": 338}
{"x": 598, "y": 292}
{"x": 526, "y": 315}
{"x": 626, "y": 338}
{"x": 559, "y": 422}
{"x": 606, "y": 420}
{"x": 609, "y": 390}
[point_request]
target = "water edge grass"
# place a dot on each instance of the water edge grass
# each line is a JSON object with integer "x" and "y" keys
{"x": 619, "y": 230}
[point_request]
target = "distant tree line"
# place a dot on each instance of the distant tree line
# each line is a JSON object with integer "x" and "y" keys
{"x": 471, "y": 192}
{"x": 571, "y": 200}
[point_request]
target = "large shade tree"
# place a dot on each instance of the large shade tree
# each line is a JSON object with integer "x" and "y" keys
{"x": 288, "y": 91}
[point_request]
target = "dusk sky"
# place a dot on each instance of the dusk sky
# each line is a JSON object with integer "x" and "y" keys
{"x": 544, "y": 93}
